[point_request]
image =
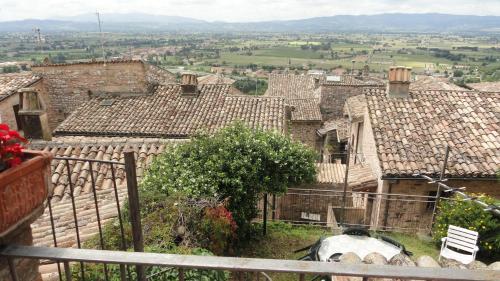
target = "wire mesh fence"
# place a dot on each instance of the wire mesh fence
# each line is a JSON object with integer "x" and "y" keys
{"x": 327, "y": 208}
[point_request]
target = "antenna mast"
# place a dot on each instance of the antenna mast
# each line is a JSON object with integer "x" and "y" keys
{"x": 100, "y": 35}
{"x": 38, "y": 38}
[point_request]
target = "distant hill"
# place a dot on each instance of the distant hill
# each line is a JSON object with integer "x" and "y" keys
{"x": 136, "y": 22}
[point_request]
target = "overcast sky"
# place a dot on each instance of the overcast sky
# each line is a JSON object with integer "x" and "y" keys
{"x": 241, "y": 10}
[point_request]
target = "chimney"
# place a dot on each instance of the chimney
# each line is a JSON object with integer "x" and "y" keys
{"x": 399, "y": 82}
{"x": 33, "y": 115}
{"x": 366, "y": 70}
{"x": 189, "y": 84}
{"x": 316, "y": 82}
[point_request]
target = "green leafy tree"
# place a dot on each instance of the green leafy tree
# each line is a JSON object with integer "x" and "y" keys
{"x": 458, "y": 73}
{"x": 237, "y": 164}
{"x": 468, "y": 214}
{"x": 251, "y": 86}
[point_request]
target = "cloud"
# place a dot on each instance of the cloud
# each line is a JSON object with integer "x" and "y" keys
{"x": 241, "y": 10}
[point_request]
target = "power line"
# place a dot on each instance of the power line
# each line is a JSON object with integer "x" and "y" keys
{"x": 493, "y": 209}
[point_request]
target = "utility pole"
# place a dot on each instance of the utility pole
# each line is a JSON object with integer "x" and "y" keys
{"x": 100, "y": 35}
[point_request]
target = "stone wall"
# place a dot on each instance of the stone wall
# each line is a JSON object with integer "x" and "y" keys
{"x": 416, "y": 212}
{"x": 333, "y": 98}
{"x": 305, "y": 132}
{"x": 69, "y": 85}
{"x": 7, "y": 111}
{"x": 158, "y": 75}
{"x": 27, "y": 269}
{"x": 7, "y": 105}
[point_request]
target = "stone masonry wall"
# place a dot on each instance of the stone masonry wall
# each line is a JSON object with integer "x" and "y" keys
{"x": 7, "y": 105}
{"x": 416, "y": 212}
{"x": 305, "y": 132}
{"x": 69, "y": 85}
{"x": 333, "y": 98}
{"x": 157, "y": 75}
{"x": 7, "y": 112}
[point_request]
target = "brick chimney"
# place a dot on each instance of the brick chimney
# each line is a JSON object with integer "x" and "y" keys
{"x": 33, "y": 115}
{"x": 189, "y": 84}
{"x": 399, "y": 82}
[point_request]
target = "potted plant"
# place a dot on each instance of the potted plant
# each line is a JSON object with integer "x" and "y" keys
{"x": 24, "y": 181}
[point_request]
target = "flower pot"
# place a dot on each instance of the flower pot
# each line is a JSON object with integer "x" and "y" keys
{"x": 23, "y": 190}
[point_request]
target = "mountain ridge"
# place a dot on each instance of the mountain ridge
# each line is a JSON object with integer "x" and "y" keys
{"x": 393, "y": 22}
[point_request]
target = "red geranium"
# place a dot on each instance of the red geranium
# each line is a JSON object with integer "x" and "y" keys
{"x": 11, "y": 149}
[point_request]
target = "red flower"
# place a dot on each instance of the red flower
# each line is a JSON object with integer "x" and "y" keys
{"x": 11, "y": 149}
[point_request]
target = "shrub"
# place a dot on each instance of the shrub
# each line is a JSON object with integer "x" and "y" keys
{"x": 236, "y": 164}
{"x": 219, "y": 227}
{"x": 171, "y": 224}
{"x": 470, "y": 215}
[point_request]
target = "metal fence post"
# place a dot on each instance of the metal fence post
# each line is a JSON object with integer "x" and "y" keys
{"x": 346, "y": 183}
{"x": 135, "y": 213}
{"x": 264, "y": 222}
{"x": 438, "y": 192}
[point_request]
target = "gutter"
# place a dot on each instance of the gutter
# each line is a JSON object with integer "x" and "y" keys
{"x": 422, "y": 179}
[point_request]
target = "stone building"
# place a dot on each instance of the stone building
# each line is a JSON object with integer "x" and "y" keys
{"x": 301, "y": 96}
{"x": 401, "y": 133}
{"x": 10, "y": 85}
{"x": 71, "y": 84}
{"x": 173, "y": 111}
{"x": 316, "y": 102}
{"x": 43, "y": 98}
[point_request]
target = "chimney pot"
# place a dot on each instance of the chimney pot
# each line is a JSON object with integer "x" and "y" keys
{"x": 189, "y": 84}
{"x": 399, "y": 82}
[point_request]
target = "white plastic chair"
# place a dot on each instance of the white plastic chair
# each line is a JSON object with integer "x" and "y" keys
{"x": 459, "y": 239}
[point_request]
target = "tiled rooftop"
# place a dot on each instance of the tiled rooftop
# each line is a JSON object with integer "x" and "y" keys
{"x": 425, "y": 83}
{"x": 486, "y": 86}
{"x": 95, "y": 149}
{"x": 355, "y": 107}
{"x": 360, "y": 176}
{"x": 168, "y": 113}
{"x": 411, "y": 134}
{"x": 292, "y": 86}
{"x": 11, "y": 82}
{"x": 305, "y": 110}
{"x": 340, "y": 126}
{"x": 215, "y": 79}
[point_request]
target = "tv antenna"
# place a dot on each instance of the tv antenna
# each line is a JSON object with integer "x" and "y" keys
{"x": 100, "y": 35}
{"x": 38, "y": 38}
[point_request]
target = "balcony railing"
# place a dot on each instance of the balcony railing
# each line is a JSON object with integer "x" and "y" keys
{"x": 249, "y": 267}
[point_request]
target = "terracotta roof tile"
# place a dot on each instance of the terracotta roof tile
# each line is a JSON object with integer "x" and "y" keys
{"x": 486, "y": 86}
{"x": 11, "y": 82}
{"x": 292, "y": 86}
{"x": 167, "y": 113}
{"x": 305, "y": 109}
{"x": 411, "y": 134}
{"x": 79, "y": 174}
{"x": 334, "y": 173}
{"x": 215, "y": 79}
{"x": 355, "y": 107}
{"x": 424, "y": 83}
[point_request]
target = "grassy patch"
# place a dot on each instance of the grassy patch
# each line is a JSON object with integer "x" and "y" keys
{"x": 283, "y": 239}
{"x": 415, "y": 244}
